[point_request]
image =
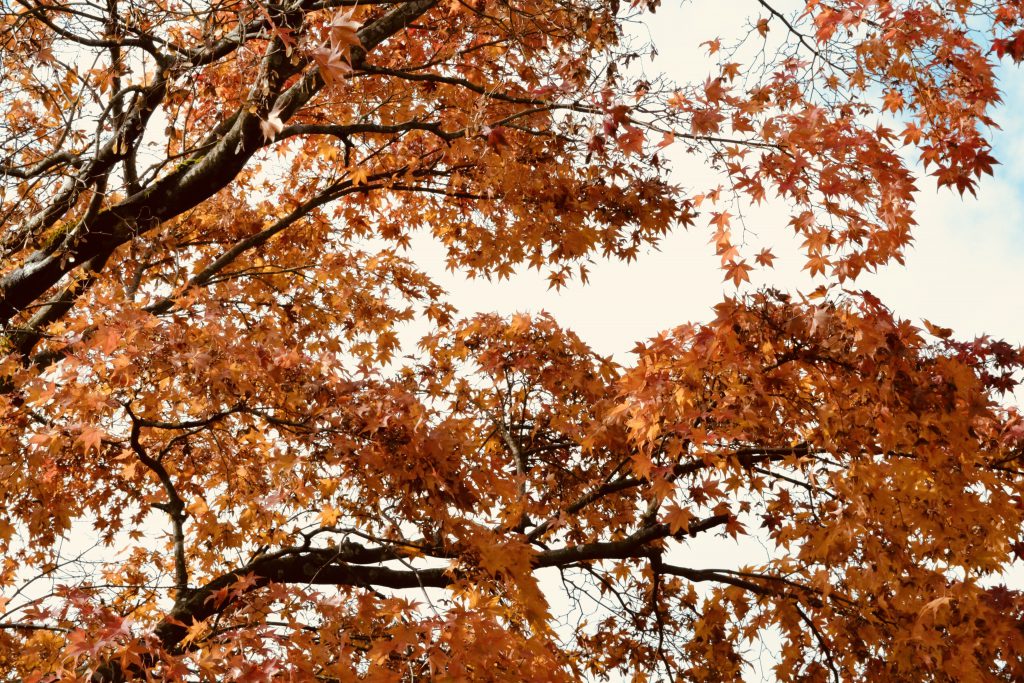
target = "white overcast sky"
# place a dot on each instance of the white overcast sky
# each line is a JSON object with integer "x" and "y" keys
{"x": 962, "y": 272}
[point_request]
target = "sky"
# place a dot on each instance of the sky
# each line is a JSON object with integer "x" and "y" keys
{"x": 962, "y": 272}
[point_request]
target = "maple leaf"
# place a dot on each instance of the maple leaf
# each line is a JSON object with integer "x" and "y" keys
{"x": 738, "y": 271}
{"x": 765, "y": 258}
{"x": 817, "y": 263}
{"x": 195, "y": 631}
{"x": 272, "y": 125}
{"x": 329, "y": 516}
{"x": 819, "y": 318}
{"x": 344, "y": 31}
{"x": 245, "y": 582}
{"x": 358, "y": 176}
{"x": 678, "y": 519}
{"x": 733, "y": 527}
{"x": 219, "y": 597}
{"x": 720, "y": 219}
{"x": 335, "y": 57}
{"x": 731, "y": 70}
{"x": 632, "y": 140}
{"x": 91, "y": 438}
{"x": 713, "y": 89}
{"x": 706, "y": 121}
{"x": 937, "y": 330}
{"x": 933, "y": 606}
{"x": 334, "y": 64}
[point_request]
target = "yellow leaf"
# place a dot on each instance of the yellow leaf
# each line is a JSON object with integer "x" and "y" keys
{"x": 329, "y": 515}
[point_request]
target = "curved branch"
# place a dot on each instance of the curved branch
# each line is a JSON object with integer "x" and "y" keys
{"x": 342, "y": 131}
{"x": 747, "y": 457}
{"x": 38, "y": 11}
{"x": 175, "y": 506}
{"x": 41, "y": 167}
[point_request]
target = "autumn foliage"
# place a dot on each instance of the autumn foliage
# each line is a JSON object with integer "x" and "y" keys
{"x": 219, "y": 462}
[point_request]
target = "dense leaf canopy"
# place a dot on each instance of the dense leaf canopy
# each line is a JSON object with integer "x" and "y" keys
{"x": 218, "y": 463}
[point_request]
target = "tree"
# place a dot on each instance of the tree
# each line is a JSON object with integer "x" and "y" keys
{"x": 217, "y": 466}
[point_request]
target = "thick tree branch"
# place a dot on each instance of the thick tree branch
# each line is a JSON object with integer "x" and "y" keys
{"x": 25, "y": 338}
{"x": 350, "y": 564}
{"x": 636, "y": 544}
{"x": 40, "y": 167}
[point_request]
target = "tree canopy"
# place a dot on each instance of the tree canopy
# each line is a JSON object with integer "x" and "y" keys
{"x": 220, "y": 464}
